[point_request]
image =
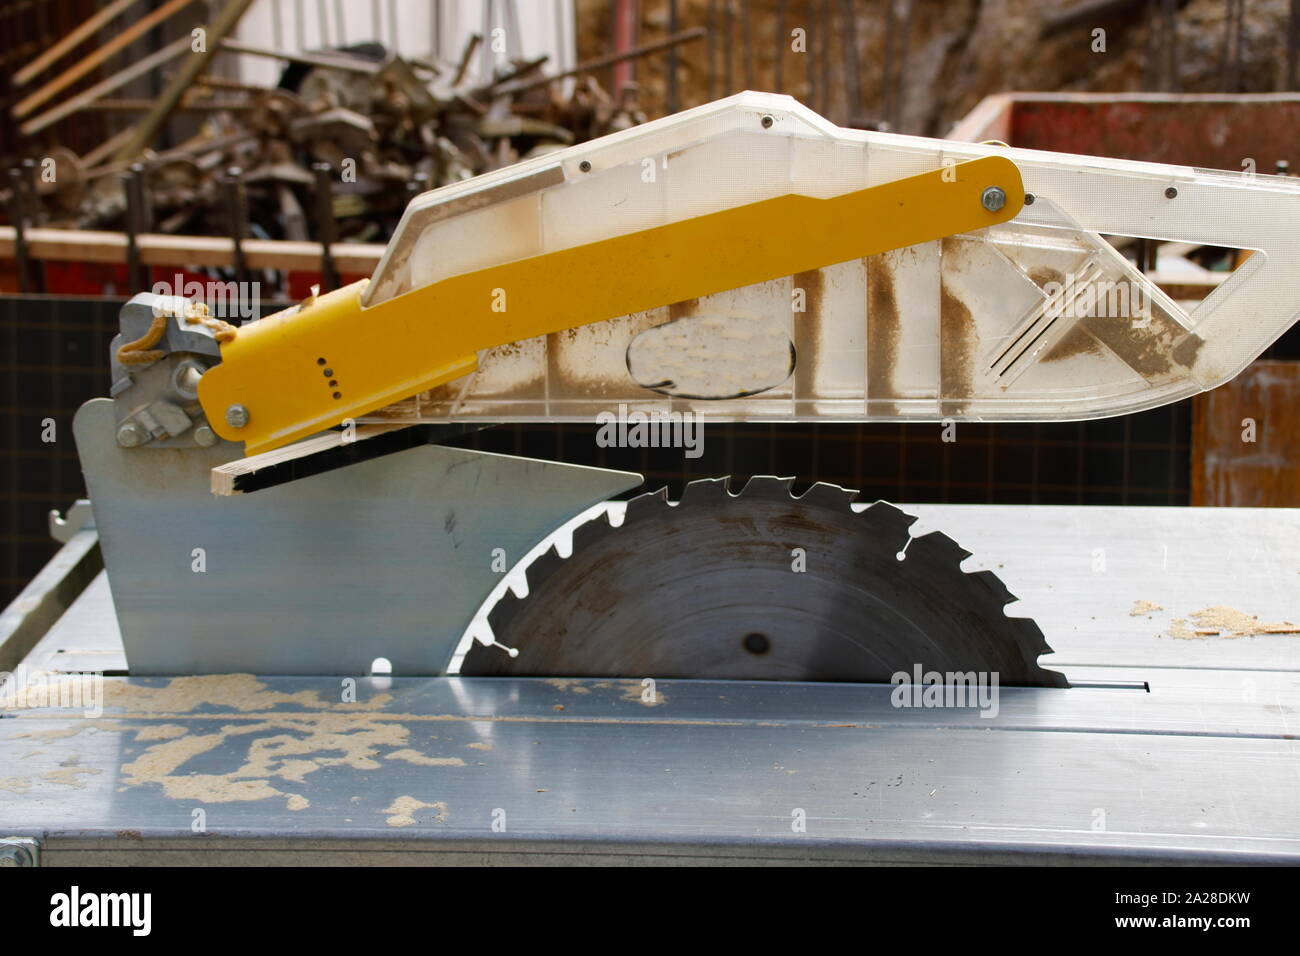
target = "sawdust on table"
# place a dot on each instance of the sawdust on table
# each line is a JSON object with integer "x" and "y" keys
{"x": 415, "y": 757}
{"x": 632, "y": 689}
{"x": 1221, "y": 621}
{"x": 273, "y": 746}
{"x": 1144, "y": 607}
{"x": 274, "y": 737}
{"x": 161, "y": 732}
{"x": 242, "y": 692}
{"x": 569, "y": 684}
{"x": 401, "y": 812}
{"x": 57, "y": 733}
{"x": 18, "y": 785}
{"x": 68, "y": 776}
{"x": 288, "y": 749}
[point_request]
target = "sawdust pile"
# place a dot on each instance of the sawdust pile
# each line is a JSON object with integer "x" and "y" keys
{"x": 242, "y": 692}
{"x": 402, "y": 811}
{"x": 634, "y": 690}
{"x": 69, "y": 776}
{"x": 1144, "y": 608}
{"x": 1220, "y": 621}
{"x": 414, "y": 756}
{"x": 19, "y": 785}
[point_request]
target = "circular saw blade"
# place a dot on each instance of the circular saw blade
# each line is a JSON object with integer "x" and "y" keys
{"x": 759, "y": 585}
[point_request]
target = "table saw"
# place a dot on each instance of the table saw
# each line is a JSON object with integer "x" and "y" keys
{"x": 324, "y": 632}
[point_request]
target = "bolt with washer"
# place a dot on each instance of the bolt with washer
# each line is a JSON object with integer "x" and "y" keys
{"x": 236, "y": 416}
{"x": 993, "y": 198}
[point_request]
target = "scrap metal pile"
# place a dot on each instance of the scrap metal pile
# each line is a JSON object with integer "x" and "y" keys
{"x": 336, "y": 149}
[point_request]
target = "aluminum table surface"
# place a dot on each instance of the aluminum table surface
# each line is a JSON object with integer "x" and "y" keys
{"x": 1166, "y": 750}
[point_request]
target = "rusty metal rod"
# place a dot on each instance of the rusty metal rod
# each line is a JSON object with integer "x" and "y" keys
{"x": 518, "y": 86}
{"x": 1292, "y": 78}
{"x": 192, "y": 106}
{"x": 712, "y": 52}
{"x": 824, "y": 52}
{"x": 222, "y": 25}
{"x": 728, "y": 28}
{"x": 904, "y": 46}
{"x": 325, "y": 224}
{"x": 747, "y": 37}
{"x": 18, "y": 216}
{"x": 345, "y": 64}
{"x": 672, "y": 95}
{"x": 237, "y": 208}
{"x": 779, "y": 63}
{"x": 133, "y": 184}
{"x": 463, "y": 67}
{"x": 849, "y": 48}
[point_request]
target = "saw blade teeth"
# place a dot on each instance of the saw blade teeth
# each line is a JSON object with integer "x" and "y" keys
{"x": 503, "y": 612}
{"x": 995, "y": 585}
{"x": 540, "y": 568}
{"x": 767, "y": 486}
{"x": 942, "y": 544}
{"x": 574, "y": 606}
{"x": 825, "y": 495}
{"x": 649, "y": 502}
{"x": 888, "y": 517}
{"x": 589, "y": 531}
{"x": 705, "y": 489}
{"x": 1033, "y": 643}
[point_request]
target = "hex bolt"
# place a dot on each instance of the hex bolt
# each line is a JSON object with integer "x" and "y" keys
{"x": 236, "y": 416}
{"x": 205, "y": 436}
{"x": 130, "y": 435}
{"x": 15, "y": 854}
{"x": 993, "y": 198}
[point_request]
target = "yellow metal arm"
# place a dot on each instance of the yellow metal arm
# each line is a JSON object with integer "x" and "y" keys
{"x": 301, "y": 371}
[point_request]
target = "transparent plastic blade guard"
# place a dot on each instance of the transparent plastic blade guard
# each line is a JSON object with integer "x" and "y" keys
{"x": 1036, "y": 319}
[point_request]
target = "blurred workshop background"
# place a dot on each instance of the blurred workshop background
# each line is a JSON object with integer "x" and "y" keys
{"x": 135, "y": 149}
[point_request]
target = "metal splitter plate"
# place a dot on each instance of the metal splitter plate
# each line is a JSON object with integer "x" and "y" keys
{"x": 760, "y": 585}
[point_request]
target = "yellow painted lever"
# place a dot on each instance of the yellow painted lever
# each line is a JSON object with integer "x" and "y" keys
{"x": 301, "y": 371}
